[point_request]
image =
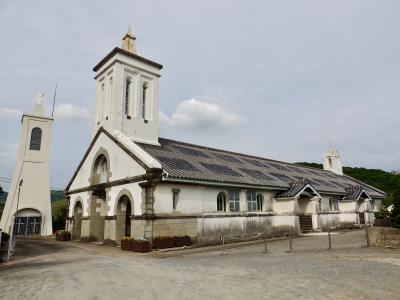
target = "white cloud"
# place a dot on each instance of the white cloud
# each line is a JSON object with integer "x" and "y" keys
{"x": 199, "y": 115}
{"x": 66, "y": 111}
{"x": 10, "y": 113}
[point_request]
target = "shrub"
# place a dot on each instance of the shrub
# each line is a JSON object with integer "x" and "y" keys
{"x": 63, "y": 235}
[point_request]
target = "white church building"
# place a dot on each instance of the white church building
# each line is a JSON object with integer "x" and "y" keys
{"x": 131, "y": 182}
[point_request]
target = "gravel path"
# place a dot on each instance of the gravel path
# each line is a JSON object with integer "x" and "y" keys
{"x": 47, "y": 270}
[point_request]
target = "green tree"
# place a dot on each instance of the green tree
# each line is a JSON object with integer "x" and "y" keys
{"x": 59, "y": 214}
{"x": 396, "y": 209}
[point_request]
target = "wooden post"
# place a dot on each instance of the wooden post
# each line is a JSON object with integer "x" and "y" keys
{"x": 265, "y": 243}
{"x": 290, "y": 242}
{"x": 329, "y": 239}
{"x": 367, "y": 236}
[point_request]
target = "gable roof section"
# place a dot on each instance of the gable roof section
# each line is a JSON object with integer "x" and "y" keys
{"x": 296, "y": 188}
{"x": 116, "y": 141}
{"x": 188, "y": 162}
{"x": 355, "y": 192}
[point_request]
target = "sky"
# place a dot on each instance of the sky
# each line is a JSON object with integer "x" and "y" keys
{"x": 278, "y": 79}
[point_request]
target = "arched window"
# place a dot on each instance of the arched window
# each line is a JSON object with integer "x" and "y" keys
{"x": 221, "y": 202}
{"x": 127, "y": 92}
{"x": 100, "y": 170}
{"x": 260, "y": 200}
{"x": 36, "y": 139}
{"x": 144, "y": 96}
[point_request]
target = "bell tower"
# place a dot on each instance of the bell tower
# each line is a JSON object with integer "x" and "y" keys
{"x": 28, "y": 201}
{"x": 332, "y": 161}
{"x": 127, "y": 93}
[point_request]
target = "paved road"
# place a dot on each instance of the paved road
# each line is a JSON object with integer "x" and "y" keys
{"x": 47, "y": 270}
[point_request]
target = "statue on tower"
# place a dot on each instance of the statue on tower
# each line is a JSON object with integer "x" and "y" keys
{"x": 128, "y": 41}
{"x": 39, "y": 109}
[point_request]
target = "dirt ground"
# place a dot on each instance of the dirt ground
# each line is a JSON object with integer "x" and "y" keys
{"x": 51, "y": 270}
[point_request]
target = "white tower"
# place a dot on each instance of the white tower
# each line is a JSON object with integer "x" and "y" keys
{"x": 29, "y": 195}
{"x": 127, "y": 93}
{"x": 332, "y": 161}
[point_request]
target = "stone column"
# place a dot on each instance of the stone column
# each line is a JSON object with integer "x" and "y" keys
{"x": 110, "y": 229}
{"x": 85, "y": 228}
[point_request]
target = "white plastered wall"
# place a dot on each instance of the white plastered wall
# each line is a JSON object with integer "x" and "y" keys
{"x": 195, "y": 199}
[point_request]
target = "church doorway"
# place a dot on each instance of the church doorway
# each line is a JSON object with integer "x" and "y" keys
{"x": 77, "y": 219}
{"x": 123, "y": 218}
{"x": 28, "y": 222}
{"x": 306, "y": 207}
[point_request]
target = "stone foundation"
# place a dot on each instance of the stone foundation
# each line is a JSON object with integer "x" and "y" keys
{"x": 384, "y": 237}
{"x": 175, "y": 227}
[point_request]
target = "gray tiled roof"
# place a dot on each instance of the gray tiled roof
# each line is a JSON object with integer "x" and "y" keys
{"x": 192, "y": 162}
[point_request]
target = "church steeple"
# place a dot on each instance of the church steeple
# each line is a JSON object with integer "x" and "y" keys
{"x": 128, "y": 41}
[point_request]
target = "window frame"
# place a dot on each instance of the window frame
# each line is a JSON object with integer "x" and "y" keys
{"x": 175, "y": 199}
{"x": 334, "y": 204}
{"x": 251, "y": 199}
{"x": 234, "y": 200}
{"x": 127, "y": 95}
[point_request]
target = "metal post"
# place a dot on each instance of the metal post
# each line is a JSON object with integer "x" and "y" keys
{"x": 290, "y": 242}
{"x": 13, "y": 220}
{"x": 223, "y": 244}
{"x": 265, "y": 243}
{"x": 329, "y": 239}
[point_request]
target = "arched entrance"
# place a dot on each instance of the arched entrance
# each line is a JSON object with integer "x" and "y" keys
{"x": 98, "y": 204}
{"x": 123, "y": 218}
{"x": 28, "y": 221}
{"x": 77, "y": 219}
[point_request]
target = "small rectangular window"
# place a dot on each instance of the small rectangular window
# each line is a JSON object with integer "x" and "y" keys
{"x": 334, "y": 204}
{"x": 234, "y": 201}
{"x": 175, "y": 198}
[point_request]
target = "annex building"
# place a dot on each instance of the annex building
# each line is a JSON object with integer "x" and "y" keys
{"x": 131, "y": 182}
